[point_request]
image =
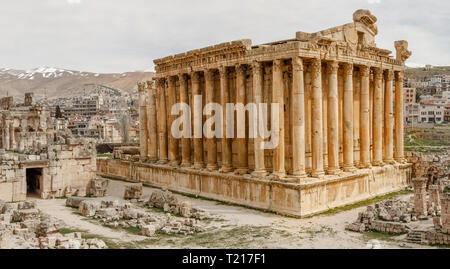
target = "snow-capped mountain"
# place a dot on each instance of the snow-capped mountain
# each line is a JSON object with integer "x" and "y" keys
{"x": 58, "y": 82}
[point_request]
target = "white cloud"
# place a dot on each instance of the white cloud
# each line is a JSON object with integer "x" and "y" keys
{"x": 374, "y": 1}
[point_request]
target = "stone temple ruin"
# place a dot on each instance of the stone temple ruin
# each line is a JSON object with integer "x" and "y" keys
{"x": 35, "y": 159}
{"x": 342, "y": 134}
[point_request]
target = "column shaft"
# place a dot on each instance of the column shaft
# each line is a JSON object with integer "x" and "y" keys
{"x": 173, "y": 142}
{"x": 399, "y": 120}
{"x": 317, "y": 121}
{"x": 348, "y": 117}
{"x": 198, "y": 120}
{"x": 388, "y": 118}
{"x": 241, "y": 98}
{"x": 333, "y": 118}
{"x": 143, "y": 131}
{"x": 298, "y": 118}
{"x": 162, "y": 121}
{"x": 365, "y": 118}
{"x": 152, "y": 118}
{"x": 185, "y": 141}
{"x": 278, "y": 97}
{"x": 211, "y": 142}
{"x": 260, "y": 169}
{"x": 227, "y": 165}
{"x": 378, "y": 118}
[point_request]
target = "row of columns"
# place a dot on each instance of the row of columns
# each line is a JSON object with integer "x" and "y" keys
{"x": 165, "y": 148}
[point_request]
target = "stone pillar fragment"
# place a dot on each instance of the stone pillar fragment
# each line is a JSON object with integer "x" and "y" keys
{"x": 399, "y": 119}
{"x": 420, "y": 196}
{"x": 388, "y": 119}
{"x": 316, "y": 119}
{"x": 365, "y": 118}
{"x": 152, "y": 126}
{"x": 435, "y": 199}
{"x": 185, "y": 141}
{"x": 143, "y": 132}
{"x": 211, "y": 142}
{"x": 278, "y": 97}
{"x": 333, "y": 119}
{"x": 348, "y": 118}
{"x": 260, "y": 169}
{"x": 162, "y": 120}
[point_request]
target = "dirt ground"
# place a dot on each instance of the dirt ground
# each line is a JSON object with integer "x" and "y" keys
{"x": 234, "y": 227}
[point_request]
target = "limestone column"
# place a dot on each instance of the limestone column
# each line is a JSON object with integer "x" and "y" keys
{"x": 226, "y": 142}
{"x": 152, "y": 118}
{"x": 12, "y": 136}
{"x": 365, "y": 118}
{"x": 185, "y": 141}
{"x": 278, "y": 97}
{"x": 333, "y": 118}
{"x": 399, "y": 120}
{"x": 198, "y": 121}
{"x": 143, "y": 135}
{"x": 348, "y": 118}
{"x": 388, "y": 122}
{"x": 211, "y": 142}
{"x": 378, "y": 118}
{"x": 298, "y": 118}
{"x": 173, "y": 142}
{"x": 241, "y": 97}
{"x": 260, "y": 169}
{"x": 162, "y": 120}
{"x": 317, "y": 121}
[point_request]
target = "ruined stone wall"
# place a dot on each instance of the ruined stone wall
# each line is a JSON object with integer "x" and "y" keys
{"x": 6, "y": 103}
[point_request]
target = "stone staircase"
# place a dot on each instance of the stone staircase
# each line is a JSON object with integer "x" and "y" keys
{"x": 417, "y": 237}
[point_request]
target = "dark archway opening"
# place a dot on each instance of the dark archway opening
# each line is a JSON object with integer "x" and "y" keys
{"x": 34, "y": 176}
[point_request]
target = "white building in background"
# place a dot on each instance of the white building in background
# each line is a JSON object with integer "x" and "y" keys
{"x": 431, "y": 112}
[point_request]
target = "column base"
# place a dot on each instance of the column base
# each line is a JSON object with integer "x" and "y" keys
{"x": 400, "y": 160}
{"x": 212, "y": 167}
{"x": 226, "y": 169}
{"x": 186, "y": 165}
{"x": 391, "y": 162}
{"x": 318, "y": 174}
{"x": 241, "y": 171}
{"x": 162, "y": 162}
{"x": 143, "y": 159}
{"x": 261, "y": 173}
{"x": 152, "y": 160}
{"x": 378, "y": 163}
{"x": 334, "y": 171}
{"x": 350, "y": 169}
{"x": 277, "y": 175}
{"x": 174, "y": 163}
{"x": 198, "y": 166}
{"x": 365, "y": 166}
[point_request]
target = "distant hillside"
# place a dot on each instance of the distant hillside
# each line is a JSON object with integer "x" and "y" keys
{"x": 421, "y": 73}
{"x": 55, "y": 83}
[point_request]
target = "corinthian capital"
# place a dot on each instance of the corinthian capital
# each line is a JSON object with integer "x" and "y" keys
{"x": 141, "y": 87}
{"x": 316, "y": 66}
{"x": 240, "y": 69}
{"x": 195, "y": 77}
{"x": 348, "y": 69}
{"x": 378, "y": 73}
{"x": 150, "y": 84}
{"x": 389, "y": 75}
{"x": 399, "y": 75}
{"x": 332, "y": 67}
{"x": 223, "y": 71}
{"x": 276, "y": 66}
{"x": 364, "y": 71}
{"x": 297, "y": 64}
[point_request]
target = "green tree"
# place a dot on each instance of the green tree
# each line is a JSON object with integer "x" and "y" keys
{"x": 58, "y": 113}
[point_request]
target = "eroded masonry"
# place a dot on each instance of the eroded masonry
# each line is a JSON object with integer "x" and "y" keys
{"x": 37, "y": 160}
{"x": 342, "y": 123}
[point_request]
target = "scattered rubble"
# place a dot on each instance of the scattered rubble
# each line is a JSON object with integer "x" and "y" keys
{"x": 98, "y": 187}
{"x": 23, "y": 226}
{"x": 114, "y": 214}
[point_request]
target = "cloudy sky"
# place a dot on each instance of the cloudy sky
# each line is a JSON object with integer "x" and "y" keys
{"x": 126, "y": 35}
